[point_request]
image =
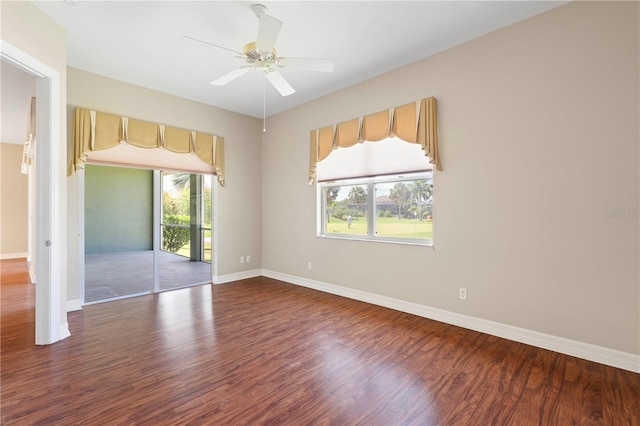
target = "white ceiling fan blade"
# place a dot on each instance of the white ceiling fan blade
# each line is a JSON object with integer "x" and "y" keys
{"x": 221, "y": 81}
{"x": 214, "y": 45}
{"x": 308, "y": 64}
{"x": 278, "y": 81}
{"x": 268, "y": 30}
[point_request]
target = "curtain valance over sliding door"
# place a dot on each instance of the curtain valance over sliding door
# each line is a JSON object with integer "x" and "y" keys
{"x": 96, "y": 131}
{"x": 416, "y": 122}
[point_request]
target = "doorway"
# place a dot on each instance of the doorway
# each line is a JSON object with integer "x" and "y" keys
{"x": 145, "y": 231}
{"x": 50, "y": 195}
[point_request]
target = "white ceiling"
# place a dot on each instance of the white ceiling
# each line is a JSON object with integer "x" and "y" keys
{"x": 140, "y": 41}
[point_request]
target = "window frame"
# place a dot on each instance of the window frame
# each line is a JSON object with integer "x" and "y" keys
{"x": 372, "y": 215}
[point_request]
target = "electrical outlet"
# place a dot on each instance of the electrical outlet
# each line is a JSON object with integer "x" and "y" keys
{"x": 309, "y": 266}
{"x": 463, "y": 293}
{"x": 241, "y": 259}
{"x": 248, "y": 258}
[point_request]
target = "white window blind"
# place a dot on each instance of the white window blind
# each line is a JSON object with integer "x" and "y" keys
{"x": 367, "y": 159}
{"x": 159, "y": 159}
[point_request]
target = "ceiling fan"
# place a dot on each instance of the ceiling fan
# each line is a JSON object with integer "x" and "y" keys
{"x": 261, "y": 55}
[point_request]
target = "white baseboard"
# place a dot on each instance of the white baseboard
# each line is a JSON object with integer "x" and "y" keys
{"x": 7, "y": 256}
{"x": 74, "y": 305}
{"x": 611, "y": 357}
{"x": 64, "y": 331}
{"x": 222, "y": 279}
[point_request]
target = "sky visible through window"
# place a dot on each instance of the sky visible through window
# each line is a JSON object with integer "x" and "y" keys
{"x": 167, "y": 184}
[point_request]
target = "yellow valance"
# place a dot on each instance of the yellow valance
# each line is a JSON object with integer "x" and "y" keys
{"x": 416, "y": 122}
{"x": 96, "y": 131}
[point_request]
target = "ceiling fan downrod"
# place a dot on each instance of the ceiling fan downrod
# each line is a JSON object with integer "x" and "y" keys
{"x": 259, "y": 9}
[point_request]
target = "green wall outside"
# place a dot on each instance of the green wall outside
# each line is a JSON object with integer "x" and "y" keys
{"x": 118, "y": 209}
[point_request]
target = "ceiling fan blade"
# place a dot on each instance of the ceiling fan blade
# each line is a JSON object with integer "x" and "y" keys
{"x": 214, "y": 45}
{"x": 268, "y": 30}
{"x": 278, "y": 81}
{"x": 221, "y": 81}
{"x": 308, "y": 64}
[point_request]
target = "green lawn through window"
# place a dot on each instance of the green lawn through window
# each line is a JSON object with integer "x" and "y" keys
{"x": 386, "y": 226}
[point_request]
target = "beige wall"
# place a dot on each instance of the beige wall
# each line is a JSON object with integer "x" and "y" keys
{"x": 14, "y": 193}
{"x": 238, "y": 203}
{"x": 539, "y": 140}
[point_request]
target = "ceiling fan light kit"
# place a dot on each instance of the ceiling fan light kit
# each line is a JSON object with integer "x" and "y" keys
{"x": 261, "y": 55}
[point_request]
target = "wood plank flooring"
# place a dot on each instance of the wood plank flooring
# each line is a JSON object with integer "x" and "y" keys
{"x": 261, "y": 351}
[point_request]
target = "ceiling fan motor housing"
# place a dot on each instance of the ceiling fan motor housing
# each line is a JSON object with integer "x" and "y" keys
{"x": 257, "y": 58}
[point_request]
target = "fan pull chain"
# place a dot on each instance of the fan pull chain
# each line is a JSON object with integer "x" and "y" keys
{"x": 264, "y": 105}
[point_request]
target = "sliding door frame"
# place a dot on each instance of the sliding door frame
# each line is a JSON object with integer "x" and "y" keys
{"x": 156, "y": 232}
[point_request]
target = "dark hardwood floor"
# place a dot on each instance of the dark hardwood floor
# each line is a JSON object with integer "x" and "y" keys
{"x": 261, "y": 351}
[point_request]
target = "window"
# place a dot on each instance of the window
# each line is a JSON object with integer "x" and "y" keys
{"x": 374, "y": 174}
{"x": 384, "y": 208}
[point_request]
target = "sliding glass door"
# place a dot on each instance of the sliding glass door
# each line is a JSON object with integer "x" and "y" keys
{"x": 118, "y": 232}
{"x": 185, "y": 229}
{"x": 125, "y": 252}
